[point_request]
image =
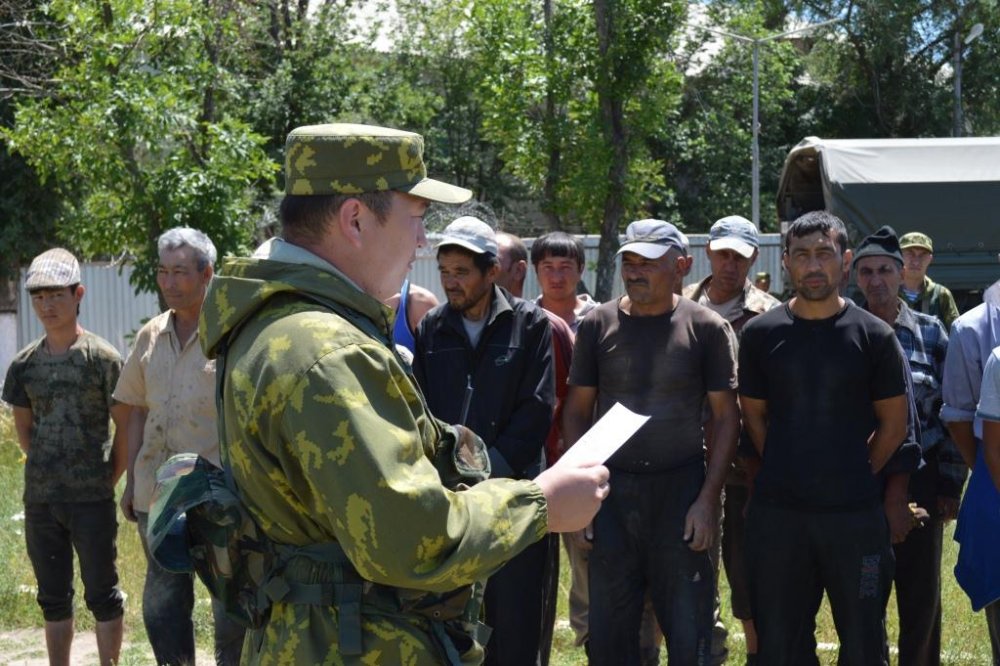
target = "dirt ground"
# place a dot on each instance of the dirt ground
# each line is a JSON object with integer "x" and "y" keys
{"x": 26, "y": 647}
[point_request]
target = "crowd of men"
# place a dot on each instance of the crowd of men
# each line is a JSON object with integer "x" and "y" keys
{"x": 808, "y": 447}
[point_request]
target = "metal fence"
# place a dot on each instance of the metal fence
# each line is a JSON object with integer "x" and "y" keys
{"x": 110, "y": 307}
{"x": 113, "y": 310}
{"x": 769, "y": 259}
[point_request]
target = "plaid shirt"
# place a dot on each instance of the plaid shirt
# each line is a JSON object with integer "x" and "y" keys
{"x": 925, "y": 344}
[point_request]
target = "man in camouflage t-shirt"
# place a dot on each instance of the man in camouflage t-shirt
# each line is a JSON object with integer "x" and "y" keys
{"x": 60, "y": 389}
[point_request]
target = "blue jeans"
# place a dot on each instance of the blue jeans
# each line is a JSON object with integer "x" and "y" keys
{"x": 639, "y": 546}
{"x": 167, "y": 604}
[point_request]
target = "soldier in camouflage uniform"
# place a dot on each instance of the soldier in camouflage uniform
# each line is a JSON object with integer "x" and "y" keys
{"x": 60, "y": 388}
{"x": 327, "y": 435}
{"x": 920, "y": 292}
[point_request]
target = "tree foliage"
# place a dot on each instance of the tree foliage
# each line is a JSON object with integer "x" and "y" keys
{"x": 135, "y": 136}
{"x": 125, "y": 117}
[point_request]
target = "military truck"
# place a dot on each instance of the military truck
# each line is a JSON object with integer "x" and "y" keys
{"x": 946, "y": 188}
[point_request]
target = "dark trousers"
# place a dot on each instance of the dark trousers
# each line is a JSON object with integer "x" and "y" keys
{"x": 52, "y": 531}
{"x": 550, "y": 601}
{"x": 639, "y": 546}
{"x": 918, "y": 577}
{"x": 733, "y": 544}
{"x": 793, "y": 556}
{"x": 992, "y": 612}
{"x": 167, "y": 604}
{"x": 514, "y": 601}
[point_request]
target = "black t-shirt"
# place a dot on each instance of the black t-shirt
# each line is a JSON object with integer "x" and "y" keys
{"x": 819, "y": 378}
{"x": 661, "y": 366}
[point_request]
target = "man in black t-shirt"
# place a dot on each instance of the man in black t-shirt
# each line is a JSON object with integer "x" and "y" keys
{"x": 823, "y": 392}
{"x": 662, "y": 355}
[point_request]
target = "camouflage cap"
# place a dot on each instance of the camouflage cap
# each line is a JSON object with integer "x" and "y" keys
{"x": 53, "y": 269}
{"x": 916, "y": 239}
{"x": 344, "y": 158}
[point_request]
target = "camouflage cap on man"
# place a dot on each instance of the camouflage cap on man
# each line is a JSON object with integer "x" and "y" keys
{"x": 53, "y": 269}
{"x": 916, "y": 239}
{"x": 344, "y": 158}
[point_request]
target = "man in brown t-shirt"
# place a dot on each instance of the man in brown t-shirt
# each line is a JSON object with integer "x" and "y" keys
{"x": 664, "y": 356}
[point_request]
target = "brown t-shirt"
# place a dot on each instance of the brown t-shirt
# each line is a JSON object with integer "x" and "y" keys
{"x": 661, "y": 366}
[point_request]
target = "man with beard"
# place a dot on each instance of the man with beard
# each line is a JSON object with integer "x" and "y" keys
{"x": 484, "y": 360}
{"x": 661, "y": 355}
{"x": 823, "y": 390}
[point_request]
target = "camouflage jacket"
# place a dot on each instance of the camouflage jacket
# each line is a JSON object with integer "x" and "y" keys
{"x": 754, "y": 302}
{"x": 934, "y": 299}
{"x": 329, "y": 439}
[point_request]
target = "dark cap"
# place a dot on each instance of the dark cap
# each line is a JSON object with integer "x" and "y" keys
{"x": 882, "y": 243}
{"x": 343, "y": 158}
{"x": 652, "y": 239}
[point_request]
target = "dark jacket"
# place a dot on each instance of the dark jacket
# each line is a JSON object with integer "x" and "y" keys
{"x": 510, "y": 372}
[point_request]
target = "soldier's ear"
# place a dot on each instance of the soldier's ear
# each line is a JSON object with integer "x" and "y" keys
{"x": 349, "y": 219}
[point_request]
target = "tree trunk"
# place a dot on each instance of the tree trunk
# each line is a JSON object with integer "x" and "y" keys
{"x": 552, "y": 138}
{"x": 613, "y": 129}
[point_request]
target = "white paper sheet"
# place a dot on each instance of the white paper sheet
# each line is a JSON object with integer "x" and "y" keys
{"x": 605, "y": 437}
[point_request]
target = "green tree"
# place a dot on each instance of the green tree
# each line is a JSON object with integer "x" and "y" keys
{"x": 708, "y": 156}
{"x": 892, "y": 75}
{"x": 572, "y": 118}
{"x": 135, "y": 133}
{"x": 29, "y": 49}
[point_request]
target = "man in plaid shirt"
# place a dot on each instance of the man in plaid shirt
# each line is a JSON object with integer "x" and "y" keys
{"x": 938, "y": 485}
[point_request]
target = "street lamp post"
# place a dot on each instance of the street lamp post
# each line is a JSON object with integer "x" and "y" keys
{"x": 755, "y": 130}
{"x": 974, "y": 32}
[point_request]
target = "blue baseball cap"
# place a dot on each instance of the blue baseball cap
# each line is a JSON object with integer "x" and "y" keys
{"x": 652, "y": 239}
{"x": 734, "y": 233}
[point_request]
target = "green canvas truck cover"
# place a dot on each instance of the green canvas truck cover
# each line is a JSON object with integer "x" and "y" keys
{"x": 946, "y": 188}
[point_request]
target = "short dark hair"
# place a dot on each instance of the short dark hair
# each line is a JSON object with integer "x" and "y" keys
{"x": 305, "y": 217}
{"x": 518, "y": 252}
{"x": 825, "y": 223}
{"x": 557, "y": 244}
{"x": 483, "y": 261}
{"x": 72, "y": 290}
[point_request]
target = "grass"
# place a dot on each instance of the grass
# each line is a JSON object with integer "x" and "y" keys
{"x": 18, "y": 608}
{"x": 964, "y": 637}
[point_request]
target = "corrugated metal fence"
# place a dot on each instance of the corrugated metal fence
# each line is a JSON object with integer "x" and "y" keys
{"x": 112, "y": 310}
{"x": 110, "y": 307}
{"x": 769, "y": 259}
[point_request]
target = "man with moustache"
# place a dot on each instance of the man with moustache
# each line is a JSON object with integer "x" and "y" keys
{"x": 823, "y": 389}
{"x": 662, "y": 355}
{"x": 484, "y": 360}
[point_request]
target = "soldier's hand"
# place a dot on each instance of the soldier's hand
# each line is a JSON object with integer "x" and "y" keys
{"x": 126, "y": 503}
{"x": 573, "y": 495}
{"x": 468, "y": 447}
